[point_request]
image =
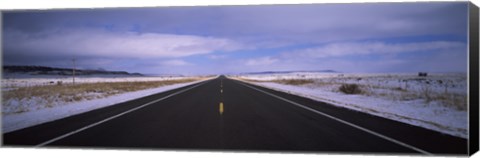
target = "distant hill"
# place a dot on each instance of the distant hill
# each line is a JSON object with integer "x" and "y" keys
{"x": 283, "y": 72}
{"x": 44, "y": 70}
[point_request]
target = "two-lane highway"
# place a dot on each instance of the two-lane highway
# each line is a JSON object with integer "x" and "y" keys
{"x": 227, "y": 114}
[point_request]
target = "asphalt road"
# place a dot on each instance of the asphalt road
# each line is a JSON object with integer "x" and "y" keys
{"x": 225, "y": 114}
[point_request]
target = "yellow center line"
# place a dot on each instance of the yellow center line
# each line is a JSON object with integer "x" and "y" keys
{"x": 220, "y": 108}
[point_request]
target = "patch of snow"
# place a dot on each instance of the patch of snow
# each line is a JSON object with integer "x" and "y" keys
{"x": 12, "y": 122}
{"x": 52, "y": 80}
{"x": 431, "y": 115}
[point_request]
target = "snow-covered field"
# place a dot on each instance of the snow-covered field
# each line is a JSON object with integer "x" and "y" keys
{"x": 39, "y": 113}
{"x": 27, "y": 81}
{"x": 437, "y": 102}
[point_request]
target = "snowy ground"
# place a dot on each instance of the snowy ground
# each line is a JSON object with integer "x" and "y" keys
{"x": 15, "y": 121}
{"x": 26, "y": 81}
{"x": 436, "y": 102}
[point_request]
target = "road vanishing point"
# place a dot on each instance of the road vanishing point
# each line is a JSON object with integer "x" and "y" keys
{"x": 226, "y": 114}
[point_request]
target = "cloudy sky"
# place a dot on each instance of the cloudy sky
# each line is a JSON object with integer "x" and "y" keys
{"x": 372, "y": 37}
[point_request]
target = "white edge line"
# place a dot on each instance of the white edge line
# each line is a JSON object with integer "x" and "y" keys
{"x": 344, "y": 122}
{"x": 115, "y": 116}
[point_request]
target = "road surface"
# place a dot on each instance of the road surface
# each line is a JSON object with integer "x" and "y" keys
{"x": 226, "y": 114}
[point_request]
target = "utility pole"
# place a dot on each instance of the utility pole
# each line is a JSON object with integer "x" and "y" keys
{"x": 73, "y": 71}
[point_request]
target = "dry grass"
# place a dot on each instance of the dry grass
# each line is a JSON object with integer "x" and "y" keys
{"x": 295, "y": 82}
{"x": 350, "y": 89}
{"x": 52, "y": 94}
{"x": 251, "y": 80}
{"x": 457, "y": 101}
